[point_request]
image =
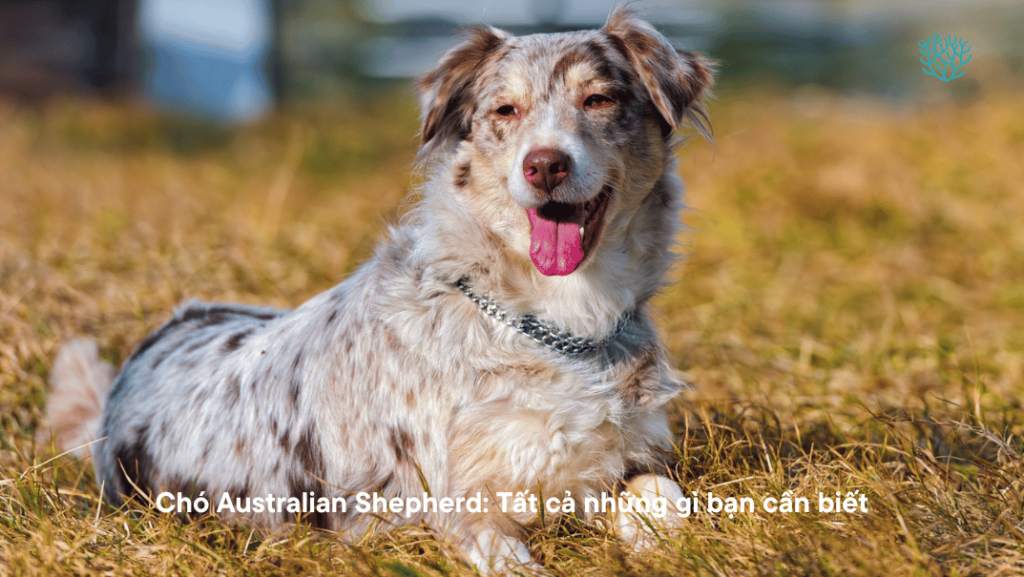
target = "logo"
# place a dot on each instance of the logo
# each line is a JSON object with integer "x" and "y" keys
{"x": 944, "y": 58}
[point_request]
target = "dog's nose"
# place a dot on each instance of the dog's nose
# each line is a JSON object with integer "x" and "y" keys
{"x": 546, "y": 168}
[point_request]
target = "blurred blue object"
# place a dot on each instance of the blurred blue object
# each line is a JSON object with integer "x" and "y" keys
{"x": 208, "y": 57}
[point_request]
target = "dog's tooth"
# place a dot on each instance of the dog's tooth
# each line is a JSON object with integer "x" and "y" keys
{"x": 581, "y": 234}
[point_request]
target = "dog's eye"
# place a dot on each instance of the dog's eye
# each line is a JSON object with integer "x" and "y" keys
{"x": 597, "y": 101}
{"x": 507, "y": 111}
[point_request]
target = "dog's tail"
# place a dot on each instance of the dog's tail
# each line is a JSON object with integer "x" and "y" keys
{"x": 79, "y": 382}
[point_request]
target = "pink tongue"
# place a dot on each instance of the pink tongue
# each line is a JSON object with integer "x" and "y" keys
{"x": 555, "y": 247}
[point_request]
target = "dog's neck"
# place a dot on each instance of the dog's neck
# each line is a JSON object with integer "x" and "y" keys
{"x": 629, "y": 266}
{"x": 551, "y": 336}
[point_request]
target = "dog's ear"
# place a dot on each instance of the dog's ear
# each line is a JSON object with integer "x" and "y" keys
{"x": 447, "y": 92}
{"x": 675, "y": 80}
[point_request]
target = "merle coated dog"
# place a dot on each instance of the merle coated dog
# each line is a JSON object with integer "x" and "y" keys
{"x": 497, "y": 341}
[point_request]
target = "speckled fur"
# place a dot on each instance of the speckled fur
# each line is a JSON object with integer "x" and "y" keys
{"x": 394, "y": 378}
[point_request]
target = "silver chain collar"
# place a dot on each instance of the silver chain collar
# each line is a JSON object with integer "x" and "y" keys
{"x": 552, "y": 337}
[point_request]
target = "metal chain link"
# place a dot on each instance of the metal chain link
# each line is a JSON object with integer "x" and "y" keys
{"x": 556, "y": 339}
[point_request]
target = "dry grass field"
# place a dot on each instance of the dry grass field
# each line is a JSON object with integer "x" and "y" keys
{"x": 850, "y": 315}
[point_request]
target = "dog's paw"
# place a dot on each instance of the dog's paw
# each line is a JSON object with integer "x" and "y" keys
{"x": 496, "y": 554}
{"x": 640, "y": 529}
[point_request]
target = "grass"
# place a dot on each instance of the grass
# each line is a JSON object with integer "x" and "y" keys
{"x": 850, "y": 314}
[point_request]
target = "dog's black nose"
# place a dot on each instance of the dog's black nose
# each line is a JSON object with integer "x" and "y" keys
{"x": 546, "y": 168}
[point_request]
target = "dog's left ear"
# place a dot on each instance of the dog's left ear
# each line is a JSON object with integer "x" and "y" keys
{"x": 675, "y": 80}
{"x": 447, "y": 91}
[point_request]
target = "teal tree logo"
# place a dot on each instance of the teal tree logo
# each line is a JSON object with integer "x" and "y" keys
{"x": 944, "y": 57}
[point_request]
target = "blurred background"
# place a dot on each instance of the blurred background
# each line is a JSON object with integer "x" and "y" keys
{"x": 236, "y": 60}
{"x": 854, "y": 253}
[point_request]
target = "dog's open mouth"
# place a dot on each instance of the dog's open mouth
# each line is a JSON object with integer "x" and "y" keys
{"x": 562, "y": 235}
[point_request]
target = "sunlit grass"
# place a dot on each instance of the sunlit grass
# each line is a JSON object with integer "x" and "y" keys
{"x": 850, "y": 315}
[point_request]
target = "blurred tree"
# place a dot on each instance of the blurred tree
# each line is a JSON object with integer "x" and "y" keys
{"x": 54, "y": 46}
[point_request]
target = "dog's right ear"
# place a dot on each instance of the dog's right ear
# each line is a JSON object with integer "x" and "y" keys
{"x": 447, "y": 91}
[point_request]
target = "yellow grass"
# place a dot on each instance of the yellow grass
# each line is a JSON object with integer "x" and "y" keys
{"x": 850, "y": 314}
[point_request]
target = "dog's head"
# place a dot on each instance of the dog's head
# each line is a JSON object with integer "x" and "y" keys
{"x": 570, "y": 131}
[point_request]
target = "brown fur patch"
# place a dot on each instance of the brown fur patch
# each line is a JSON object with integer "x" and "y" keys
{"x": 673, "y": 80}
{"x": 635, "y": 385}
{"x": 449, "y": 109}
{"x": 402, "y": 443}
{"x": 235, "y": 341}
{"x": 462, "y": 175}
{"x": 307, "y": 451}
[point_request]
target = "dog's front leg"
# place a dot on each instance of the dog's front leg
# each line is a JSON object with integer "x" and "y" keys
{"x": 638, "y": 528}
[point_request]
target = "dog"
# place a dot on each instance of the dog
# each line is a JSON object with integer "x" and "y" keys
{"x": 496, "y": 346}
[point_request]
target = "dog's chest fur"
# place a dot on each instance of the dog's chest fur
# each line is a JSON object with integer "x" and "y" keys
{"x": 492, "y": 410}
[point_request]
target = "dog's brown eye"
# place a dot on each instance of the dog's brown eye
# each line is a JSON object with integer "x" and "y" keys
{"x": 507, "y": 111}
{"x": 597, "y": 101}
